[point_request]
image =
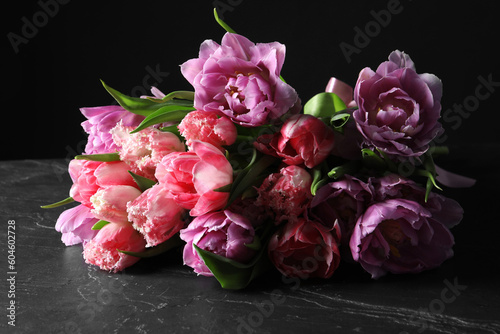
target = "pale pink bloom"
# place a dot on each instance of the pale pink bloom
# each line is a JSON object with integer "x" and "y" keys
{"x": 286, "y": 194}
{"x": 110, "y": 203}
{"x": 143, "y": 150}
{"x": 89, "y": 176}
{"x": 75, "y": 225}
{"x": 155, "y": 215}
{"x": 157, "y": 94}
{"x": 208, "y": 127}
{"x": 193, "y": 176}
{"x": 103, "y": 251}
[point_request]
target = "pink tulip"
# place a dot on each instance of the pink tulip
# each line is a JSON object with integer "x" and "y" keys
{"x": 110, "y": 203}
{"x": 155, "y": 215}
{"x": 103, "y": 251}
{"x": 193, "y": 176}
{"x": 89, "y": 176}
{"x": 143, "y": 150}
{"x": 304, "y": 249}
{"x": 206, "y": 126}
{"x": 303, "y": 139}
{"x": 286, "y": 194}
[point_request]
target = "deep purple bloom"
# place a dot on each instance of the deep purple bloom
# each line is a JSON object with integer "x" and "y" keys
{"x": 223, "y": 233}
{"x": 343, "y": 201}
{"x": 398, "y": 108}
{"x": 399, "y": 236}
{"x": 445, "y": 210}
{"x": 241, "y": 79}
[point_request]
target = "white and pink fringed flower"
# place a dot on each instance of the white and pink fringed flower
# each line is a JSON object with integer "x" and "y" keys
{"x": 208, "y": 127}
{"x": 143, "y": 150}
{"x": 156, "y": 215}
{"x": 102, "y": 250}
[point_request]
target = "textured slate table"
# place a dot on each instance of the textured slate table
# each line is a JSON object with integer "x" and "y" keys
{"x": 56, "y": 292}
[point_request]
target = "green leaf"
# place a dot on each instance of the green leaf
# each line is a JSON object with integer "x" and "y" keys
{"x": 391, "y": 165}
{"x": 142, "y": 182}
{"x": 339, "y": 120}
{"x": 222, "y": 23}
{"x": 372, "y": 160}
{"x": 56, "y": 204}
{"x": 135, "y": 105}
{"x": 105, "y": 157}
{"x": 180, "y": 94}
{"x": 165, "y": 246}
{"x": 247, "y": 177}
{"x": 100, "y": 224}
{"x": 232, "y": 274}
{"x": 224, "y": 189}
{"x": 324, "y": 105}
{"x": 318, "y": 181}
{"x": 170, "y": 113}
{"x": 431, "y": 181}
{"x": 350, "y": 168}
{"x": 256, "y": 244}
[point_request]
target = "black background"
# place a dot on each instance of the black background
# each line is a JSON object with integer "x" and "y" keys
{"x": 58, "y": 70}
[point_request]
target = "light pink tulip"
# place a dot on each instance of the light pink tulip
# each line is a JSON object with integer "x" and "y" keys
{"x": 110, "y": 203}
{"x": 193, "y": 176}
{"x": 102, "y": 251}
{"x": 156, "y": 215}
{"x": 143, "y": 150}
{"x": 90, "y": 176}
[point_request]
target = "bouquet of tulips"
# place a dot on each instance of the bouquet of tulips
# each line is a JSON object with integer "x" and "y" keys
{"x": 247, "y": 179}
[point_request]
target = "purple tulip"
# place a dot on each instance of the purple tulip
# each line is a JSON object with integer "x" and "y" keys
{"x": 100, "y": 120}
{"x": 241, "y": 80}
{"x": 443, "y": 209}
{"x": 75, "y": 225}
{"x": 342, "y": 201}
{"x": 398, "y": 108}
{"x": 399, "y": 236}
{"x": 223, "y": 233}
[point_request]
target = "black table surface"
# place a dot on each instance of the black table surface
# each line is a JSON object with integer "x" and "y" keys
{"x": 56, "y": 292}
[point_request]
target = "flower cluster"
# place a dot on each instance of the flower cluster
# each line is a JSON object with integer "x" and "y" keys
{"x": 243, "y": 175}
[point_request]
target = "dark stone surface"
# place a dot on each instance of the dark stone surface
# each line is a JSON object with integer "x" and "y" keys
{"x": 56, "y": 292}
